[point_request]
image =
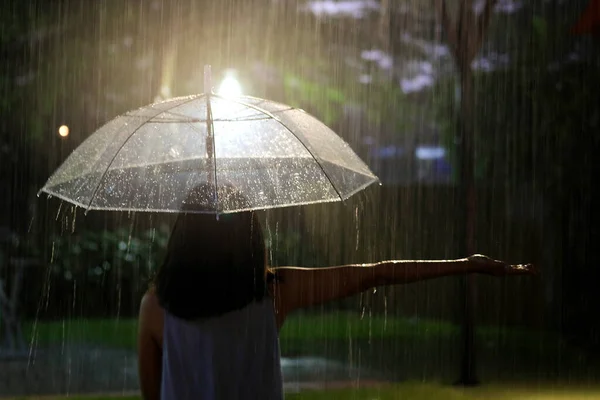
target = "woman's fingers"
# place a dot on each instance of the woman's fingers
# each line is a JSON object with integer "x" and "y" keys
{"x": 521, "y": 269}
{"x": 487, "y": 265}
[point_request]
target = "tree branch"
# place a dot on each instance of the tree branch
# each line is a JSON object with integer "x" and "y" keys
{"x": 384, "y": 25}
{"x": 482, "y": 22}
{"x": 447, "y": 26}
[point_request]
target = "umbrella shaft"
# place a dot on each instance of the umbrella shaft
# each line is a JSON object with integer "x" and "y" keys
{"x": 210, "y": 142}
{"x": 209, "y": 137}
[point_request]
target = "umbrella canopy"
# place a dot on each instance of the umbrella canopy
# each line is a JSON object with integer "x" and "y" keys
{"x": 152, "y": 158}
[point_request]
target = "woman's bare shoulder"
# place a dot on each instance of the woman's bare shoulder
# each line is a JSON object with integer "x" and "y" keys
{"x": 151, "y": 316}
{"x": 150, "y": 300}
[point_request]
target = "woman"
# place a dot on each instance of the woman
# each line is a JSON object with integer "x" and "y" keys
{"x": 208, "y": 327}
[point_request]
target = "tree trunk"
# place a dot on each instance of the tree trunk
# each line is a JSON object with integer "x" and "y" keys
{"x": 465, "y": 39}
{"x": 468, "y": 211}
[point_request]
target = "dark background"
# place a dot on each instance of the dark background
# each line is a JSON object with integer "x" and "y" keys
{"x": 536, "y": 118}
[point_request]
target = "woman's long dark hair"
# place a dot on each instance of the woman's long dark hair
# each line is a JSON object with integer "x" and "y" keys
{"x": 213, "y": 265}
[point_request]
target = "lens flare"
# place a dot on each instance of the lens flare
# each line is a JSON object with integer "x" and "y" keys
{"x": 230, "y": 87}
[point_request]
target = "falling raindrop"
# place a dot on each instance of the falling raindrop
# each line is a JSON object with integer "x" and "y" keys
{"x": 74, "y": 211}
{"x": 58, "y": 210}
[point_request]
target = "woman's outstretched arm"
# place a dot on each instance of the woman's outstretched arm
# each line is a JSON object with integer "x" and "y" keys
{"x": 303, "y": 287}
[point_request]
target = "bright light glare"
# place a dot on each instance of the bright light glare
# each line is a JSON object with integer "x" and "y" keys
{"x": 430, "y": 152}
{"x": 63, "y": 131}
{"x": 230, "y": 87}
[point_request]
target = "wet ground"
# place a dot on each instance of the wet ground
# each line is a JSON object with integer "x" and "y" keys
{"x": 88, "y": 369}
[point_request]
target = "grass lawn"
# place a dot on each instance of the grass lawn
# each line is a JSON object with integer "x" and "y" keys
{"x": 515, "y": 364}
{"x": 419, "y": 391}
{"x": 400, "y": 347}
{"x": 416, "y": 391}
{"x": 306, "y": 326}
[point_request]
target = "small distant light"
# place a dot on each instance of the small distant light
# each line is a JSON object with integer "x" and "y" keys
{"x": 63, "y": 131}
{"x": 230, "y": 87}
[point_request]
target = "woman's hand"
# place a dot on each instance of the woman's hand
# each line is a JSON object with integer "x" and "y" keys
{"x": 486, "y": 265}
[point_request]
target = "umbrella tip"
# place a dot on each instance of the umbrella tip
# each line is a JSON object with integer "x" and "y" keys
{"x": 207, "y": 79}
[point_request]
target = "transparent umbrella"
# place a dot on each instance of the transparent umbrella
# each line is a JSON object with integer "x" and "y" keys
{"x": 151, "y": 158}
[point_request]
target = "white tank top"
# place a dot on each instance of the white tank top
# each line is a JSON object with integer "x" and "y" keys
{"x": 230, "y": 357}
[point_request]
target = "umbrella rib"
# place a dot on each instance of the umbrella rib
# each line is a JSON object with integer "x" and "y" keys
{"x": 185, "y": 118}
{"x": 125, "y": 142}
{"x": 270, "y": 114}
{"x": 196, "y": 120}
